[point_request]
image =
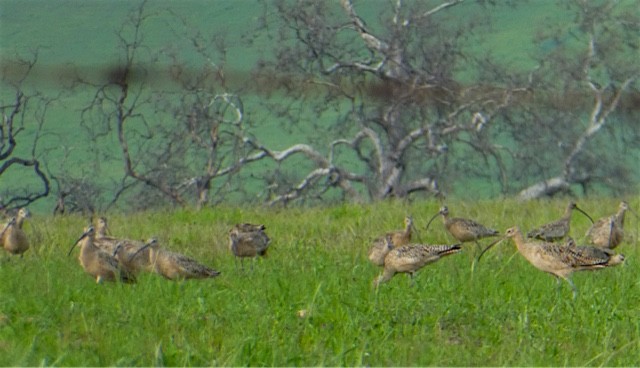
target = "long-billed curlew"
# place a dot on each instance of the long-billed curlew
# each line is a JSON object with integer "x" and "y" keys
{"x": 14, "y": 239}
{"x": 557, "y": 230}
{"x": 96, "y": 262}
{"x": 381, "y": 247}
{"x": 608, "y": 232}
{"x": 108, "y": 243}
{"x": 247, "y": 227}
{"x": 398, "y": 238}
{"x": 173, "y": 266}
{"x": 464, "y": 230}
{"x": 412, "y": 257}
{"x": 124, "y": 252}
{"x": 246, "y": 240}
{"x": 102, "y": 229}
{"x": 558, "y": 259}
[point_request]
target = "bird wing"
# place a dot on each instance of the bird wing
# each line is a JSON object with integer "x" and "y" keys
{"x": 189, "y": 267}
{"x": 590, "y": 256}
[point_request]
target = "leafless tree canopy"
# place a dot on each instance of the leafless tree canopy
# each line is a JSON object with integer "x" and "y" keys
{"x": 22, "y": 122}
{"x": 361, "y": 105}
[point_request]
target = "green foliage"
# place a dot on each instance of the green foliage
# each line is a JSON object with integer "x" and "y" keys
{"x": 504, "y": 313}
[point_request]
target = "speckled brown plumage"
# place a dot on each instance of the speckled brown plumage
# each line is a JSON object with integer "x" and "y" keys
{"x": 124, "y": 252}
{"x": 561, "y": 260}
{"x": 608, "y": 232}
{"x": 398, "y": 238}
{"x": 247, "y": 240}
{"x": 462, "y": 229}
{"x": 171, "y": 265}
{"x": 412, "y": 257}
{"x": 98, "y": 263}
{"x": 557, "y": 230}
{"x": 13, "y": 238}
{"x": 108, "y": 243}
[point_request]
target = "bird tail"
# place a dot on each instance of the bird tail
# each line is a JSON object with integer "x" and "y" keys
{"x": 212, "y": 273}
{"x": 445, "y": 250}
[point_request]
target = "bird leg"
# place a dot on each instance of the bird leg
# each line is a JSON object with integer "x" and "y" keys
{"x": 386, "y": 276}
{"x": 412, "y": 282}
{"x": 478, "y": 246}
{"x": 611, "y": 225}
{"x": 558, "y": 284}
{"x": 573, "y": 287}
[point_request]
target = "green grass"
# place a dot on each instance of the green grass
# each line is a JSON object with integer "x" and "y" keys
{"x": 505, "y": 313}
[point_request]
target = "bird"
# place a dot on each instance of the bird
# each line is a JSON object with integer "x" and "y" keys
{"x": 108, "y": 243}
{"x": 380, "y": 249}
{"x": 247, "y": 227}
{"x": 102, "y": 229}
{"x": 561, "y": 260}
{"x": 14, "y": 240}
{"x": 557, "y": 230}
{"x": 412, "y": 257}
{"x": 464, "y": 230}
{"x": 124, "y": 252}
{"x": 398, "y": 238}
{"x": 246, "y": 240}
{"x": 98, "y": 263}
{"x": 608, "y": 232}
{"x": 170, "y": 265}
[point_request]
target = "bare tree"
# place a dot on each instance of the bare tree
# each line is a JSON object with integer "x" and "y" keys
{"x": 23, "y": 118}
{"x": 390, "y": 105}
{"x": 174, "y": 142}
{"x": 591, "y": 66}
{"x": 398, "y": 105}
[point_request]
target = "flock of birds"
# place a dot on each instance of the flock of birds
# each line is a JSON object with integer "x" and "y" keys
{"x": 109, "y": 258}
{"x": 547, "y": 248}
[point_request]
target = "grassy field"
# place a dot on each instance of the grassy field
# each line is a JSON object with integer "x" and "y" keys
{"x": 504, "y": 313}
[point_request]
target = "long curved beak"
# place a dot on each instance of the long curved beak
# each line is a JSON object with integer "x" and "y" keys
{"x": 8, "y": 225}
{"x": 488, "y": 247}
{"x": 429, "y": 223}
{"x": 147, "y": 245}
{"x": 117, "y": 249}
{"x": 584, "y": 213}
{"x": 77, "y": 241}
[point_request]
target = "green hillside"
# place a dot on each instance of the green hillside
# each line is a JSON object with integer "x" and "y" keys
{"x": 82, "y": 36}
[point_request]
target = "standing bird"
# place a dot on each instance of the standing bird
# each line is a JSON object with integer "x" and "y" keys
{"x": 248, "y": 228}
{"x": 608, "y": 232}
{"x": 557, "y": 230}
{"x": 561, "y": 260}
{"x": 246, "y": 240}
{"x": 96, "y": 262}
{"x": 109, "y": 243}
{"x": 412, "y": 257}
{"x": 464, "y": 230}
{"x": 102, "y": 229}
{"x": 380, "y": 249}
{"x": 170, "y": 265}
{"x": 14, "y": 240}
{"x": 380, "y": 246}
{"x": 124, "y": 252}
